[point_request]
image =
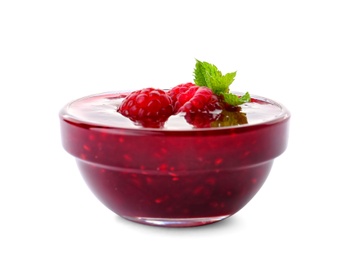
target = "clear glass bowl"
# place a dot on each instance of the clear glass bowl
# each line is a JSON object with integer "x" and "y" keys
{"x": 171, "y": 177}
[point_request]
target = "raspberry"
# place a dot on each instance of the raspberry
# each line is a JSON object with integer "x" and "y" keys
{"x": 176, "y": 91}
{"x": 191, "y": 98}
{"x": 148, "y": 107}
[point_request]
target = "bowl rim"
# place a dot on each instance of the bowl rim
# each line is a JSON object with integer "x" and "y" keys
{"x": 72, "y": 119}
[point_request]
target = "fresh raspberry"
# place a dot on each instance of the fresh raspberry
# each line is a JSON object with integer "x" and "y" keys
{"x": 178, "y": 90}
{"x": 191, "y": 98}
{"x": 148, "y": 107}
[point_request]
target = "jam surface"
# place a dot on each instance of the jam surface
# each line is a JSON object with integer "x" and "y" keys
{"x": 102, "y": 110}
{"x": 175, "y": 172}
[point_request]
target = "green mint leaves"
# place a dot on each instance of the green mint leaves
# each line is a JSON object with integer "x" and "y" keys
{"x": 208, "y": 75}
{"x": 234, "y": 100}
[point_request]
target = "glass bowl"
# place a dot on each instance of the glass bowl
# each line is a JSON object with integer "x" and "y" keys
{"x": 171, "y": 177}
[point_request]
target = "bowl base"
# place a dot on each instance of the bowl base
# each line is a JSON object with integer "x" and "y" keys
{"x": 176, "y": 222}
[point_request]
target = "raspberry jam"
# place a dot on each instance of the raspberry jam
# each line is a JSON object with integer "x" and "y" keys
{"x": 174, "y": 176}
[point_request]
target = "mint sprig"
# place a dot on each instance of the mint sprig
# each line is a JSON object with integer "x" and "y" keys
{"x": 208, "y": 75}
{"x": 235, "y": 100}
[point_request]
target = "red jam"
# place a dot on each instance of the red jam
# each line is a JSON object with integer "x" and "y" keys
{"x": 175, "y": 176}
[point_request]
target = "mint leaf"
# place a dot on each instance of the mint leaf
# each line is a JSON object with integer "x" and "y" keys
{"x": 208, "y": 75}
{"x": 229, "y": 78}
{"x": 234, "y": 100}
{"x": 199, "y": 74}
{"x": 213, "y": 77}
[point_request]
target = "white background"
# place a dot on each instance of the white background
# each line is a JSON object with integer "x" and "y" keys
{"x": 302, "y": 53}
